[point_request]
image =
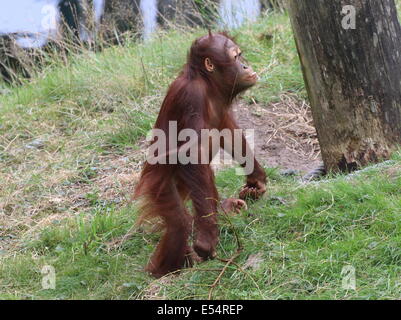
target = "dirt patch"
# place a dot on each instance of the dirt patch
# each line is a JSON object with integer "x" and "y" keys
{"x": 284, "y": 133}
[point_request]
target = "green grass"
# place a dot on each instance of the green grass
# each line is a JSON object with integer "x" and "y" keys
{"x": 89, "y": 114}
{"x": 304, "y": 241}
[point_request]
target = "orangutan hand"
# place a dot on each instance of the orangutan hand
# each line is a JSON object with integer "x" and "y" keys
{"x": 252, "y": 190}
{"x": 233, "y": 205}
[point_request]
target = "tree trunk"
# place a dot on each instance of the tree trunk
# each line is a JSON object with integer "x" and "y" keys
{"x": 119, "y": 17}
{"x": 181, "y": 12}
{"x": 352, "y": 73}
{"x": 71, "y": 14}
{"x": 276, "y": 5}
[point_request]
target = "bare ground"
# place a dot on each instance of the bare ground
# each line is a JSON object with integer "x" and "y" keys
{"x": 284, "y": 133}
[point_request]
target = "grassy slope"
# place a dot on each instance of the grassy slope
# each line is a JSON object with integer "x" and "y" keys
{"x": 100, "y": 104}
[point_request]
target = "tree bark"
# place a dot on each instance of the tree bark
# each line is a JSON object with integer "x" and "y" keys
{"x": 181, "y": 12}
{"x": 353, "y": 77}
{"x": 277, "y": 5}
{"x": 71, "y": 14}
{"x": 119, "y": 17}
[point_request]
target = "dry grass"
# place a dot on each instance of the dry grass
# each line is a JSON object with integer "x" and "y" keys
{"x": 292, "y": 124}
{"x": 284, "y": 132}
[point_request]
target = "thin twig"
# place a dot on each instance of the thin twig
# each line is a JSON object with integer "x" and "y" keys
{"x": 230, "y": 260}
{"x": 215, "y": 283}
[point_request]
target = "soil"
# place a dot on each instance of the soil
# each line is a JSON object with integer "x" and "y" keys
{"x": 284, "y": 135}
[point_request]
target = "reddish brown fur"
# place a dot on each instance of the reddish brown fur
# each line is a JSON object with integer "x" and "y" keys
{"x": 197, "y": 99}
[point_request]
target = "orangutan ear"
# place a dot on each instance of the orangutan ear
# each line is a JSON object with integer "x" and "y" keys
{"x": 209, "y": 65}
